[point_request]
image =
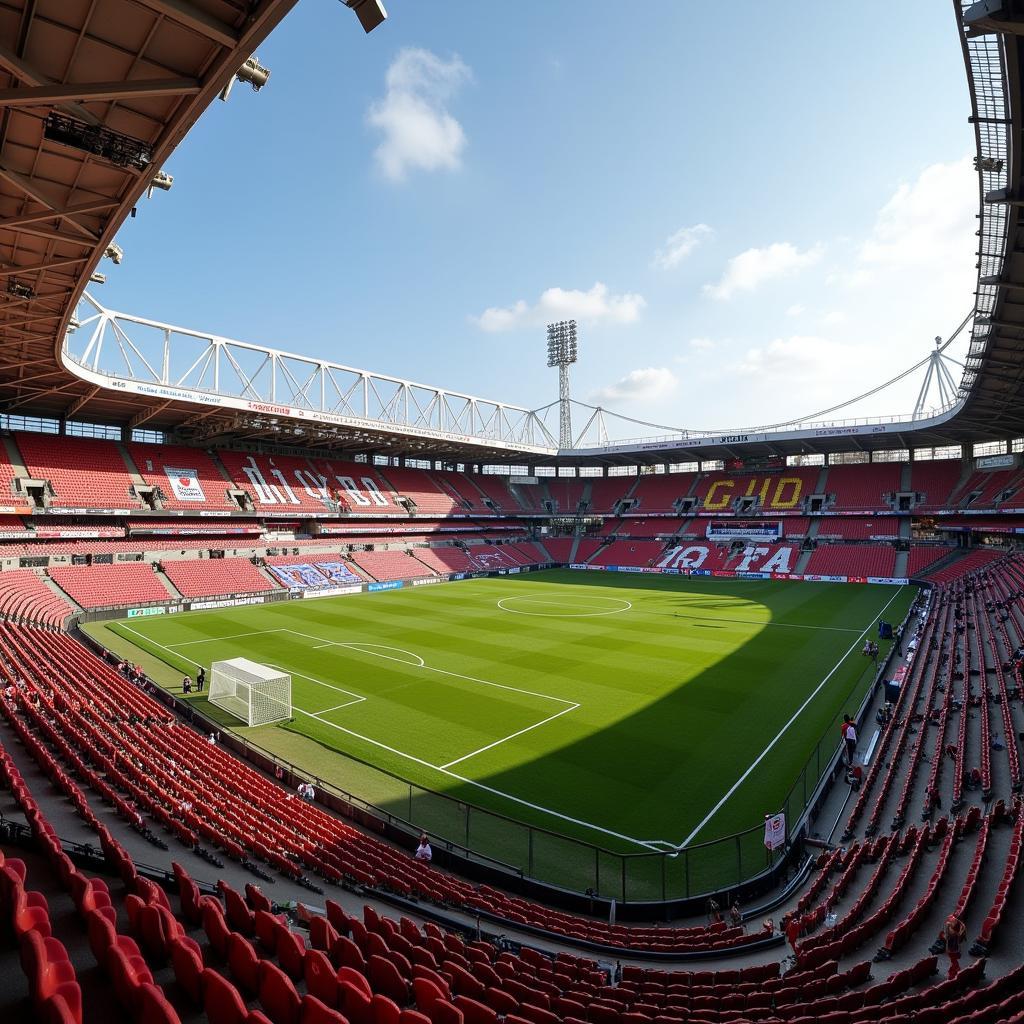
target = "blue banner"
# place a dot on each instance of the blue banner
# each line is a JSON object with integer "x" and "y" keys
{"x": 386, "y": 585}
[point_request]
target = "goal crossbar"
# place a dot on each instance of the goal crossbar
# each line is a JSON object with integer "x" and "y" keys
{"x": 257, "y": 694}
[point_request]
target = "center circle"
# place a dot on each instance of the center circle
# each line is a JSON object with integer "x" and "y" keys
{"x": 553, "y": 602}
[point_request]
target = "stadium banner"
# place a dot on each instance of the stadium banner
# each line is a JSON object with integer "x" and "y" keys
{"x": 895, "y": 581}
{"x": 301, "y": 575}
{"x": 515, "y": 569}
{"x": 331, "y": 592}
{"x": 578, "y": 565}
{"x": 184, "y": 484}
{"x": 723, "y": 572}
{"x": 459, "y": 576}
{"x": 195, "y": 531}
{"x": 698, "y": 572}
{"x": 338, "y": 572}
{"x": 135, "y": 613}
{"x": 743, "y": 529}
{"x": 633, "y": 568}
{"x": 754, "y": 575}
{"x": 775, "y": 830}
{"x": 224, "y": 602}
{"x": 827, "y": 579}
{"x": 995, "y": 462}
{"x": 428, "y": 580}
{"x": 386, "y": 585}
{"x": 671, "y": 572}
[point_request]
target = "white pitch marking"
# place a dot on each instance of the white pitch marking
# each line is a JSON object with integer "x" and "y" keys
{"x": 561, "y": 604}
{"x": 430, "y": 668}
{"x": 480, "y": 785}
{"x": 337, "y": 707}
{"x": 778, "y": 736}
{"x": 454, "y": 775}
{"x": 213, "y": 639}
{"x": 497, "y": 743}
{"x": 757, "y": 622}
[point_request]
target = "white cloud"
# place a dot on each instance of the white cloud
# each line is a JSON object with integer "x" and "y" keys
{"x": 596, "y": 306}
{"x": 651, "y": 382}
{"x": 418, "y": 131}
{"x": 751, "y": 269}
{"x": 702, "y": 344}
{"x": 795, "y": 310}
{"x": 833, "y": 318}
{"x": 679, "y": 245}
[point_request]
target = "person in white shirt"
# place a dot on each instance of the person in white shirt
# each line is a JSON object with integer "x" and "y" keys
{"x": 850, "y": 735}
{"x": 423, "y": 851}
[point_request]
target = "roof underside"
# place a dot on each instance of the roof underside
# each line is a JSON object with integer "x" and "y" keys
{"x": 148, "y": 68}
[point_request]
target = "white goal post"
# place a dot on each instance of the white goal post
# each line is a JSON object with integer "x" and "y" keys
{"x": 257, "y": 694}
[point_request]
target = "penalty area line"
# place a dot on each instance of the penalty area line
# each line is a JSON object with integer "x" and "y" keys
{"x": 778, "y": 736}
{"x": 505, "y": 739}
{"x": 480, "y": 785}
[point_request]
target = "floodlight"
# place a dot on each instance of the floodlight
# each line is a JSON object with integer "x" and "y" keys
{"x": 118, "y": 149}
{"x": 98, "y": 278}
{"x": 162, "y": 181}
{"x": 370, "y": 13}
{"x": 73, "y": 324}
{"x": 252, "y": 72}
{"x": 19, "y": 289}
{"x": 991, "y": 164}
{"x": 114, "y": 252}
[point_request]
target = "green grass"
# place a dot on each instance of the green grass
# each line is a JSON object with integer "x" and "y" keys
{"x": 651, "y": 711}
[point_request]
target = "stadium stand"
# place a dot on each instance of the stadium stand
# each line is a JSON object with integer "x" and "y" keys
{"x": 859, "y": 529}
{"x": 466, "y": 494}
{"x": 934, "y": 480}
{"x": 922, "y": 557}
{"x": 428, "y": 497}
{"x": 193, "y": 471}
{"x": 660, "y": 492}
{"x": 390, "y": 565}
{"x": 213, "y": 577}
{"x": 606, "y": 492}
{"x": 859, "y": 488}
{"x": 628, "y": 552}
{"x": 636, "y": 527}
{"x": 567, "y": 494}
{"x": 96, "y": 586}
{"x": 82, "y": 472}
{"x": 852, "y": 560}
{"x": 12, "y": 524}
{"x": 560, "y": 548}
{"x": 25, "y": 598}
{"x": 274, "y": 482}
{"x": 969, "y": 563}
{"x": 496, "y": 490}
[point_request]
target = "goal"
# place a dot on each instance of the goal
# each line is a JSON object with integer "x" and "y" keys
{"x": 255, "y": 693}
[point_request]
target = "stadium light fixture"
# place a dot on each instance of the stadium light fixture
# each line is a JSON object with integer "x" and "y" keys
{"x": 162, "y": 181}
{"x": 120, "y": 150}
{"x": 562, "y": 352}
{"x": 370, "y": 13}
{"x": 252, "y": 72}
{"x": 19, "y": 289}
{"x": 114, "y": 252}
{"x": 98, "y": 278}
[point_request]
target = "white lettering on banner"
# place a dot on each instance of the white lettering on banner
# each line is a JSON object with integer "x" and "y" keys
{"x": 750, "y": 553}
{"x": 370, "y": 485}
{"x": 779, "y": 562}
{"x": 374, "y": 491}
{"x": 315, "y": 486}
{"x": 349, "y": 485}
{"x": 266, "y": 494}
{"x": 284, "y": 483}
{"x": 692, "y": 557}
{"x": 331, "y": 592}
{"x": 184, "y": 484}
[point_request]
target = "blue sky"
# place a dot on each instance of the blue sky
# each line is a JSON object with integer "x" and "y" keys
{"x": 752, "y": 213}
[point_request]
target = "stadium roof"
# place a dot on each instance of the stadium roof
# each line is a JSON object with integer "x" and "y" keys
{"x": 144, "y": 70}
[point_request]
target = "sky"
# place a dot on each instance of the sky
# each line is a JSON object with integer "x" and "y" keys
{"x": 754, "y": 211}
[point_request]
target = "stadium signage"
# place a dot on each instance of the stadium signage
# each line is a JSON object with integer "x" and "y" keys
{"x": 226, "y": 602}
{"x": 427, "y": 581}
{"x": 331, "y": 591}
{"x": 759, "y": 530}
{"x": 995, "y": 462}
{"x": 135, "y": 613}
{"x": 386, "y": 585}
{"x": 734, "y": 439}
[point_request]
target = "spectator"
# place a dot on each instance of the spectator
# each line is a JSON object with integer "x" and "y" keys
{"x": 423, "y": 851}
{"x": 955, "y": 931}
{"x": 211, "y": 738}
{"x": 714, "y": 911}
{"x": 186, "y": 685}
{"x": 850, "y": 736}
{"x": 791, "y": 926}
{"x": 735, "y": 914}
{"x": 200, "y": 678}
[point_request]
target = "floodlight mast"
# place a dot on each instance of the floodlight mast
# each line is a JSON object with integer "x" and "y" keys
{"x": 562, "y": 350}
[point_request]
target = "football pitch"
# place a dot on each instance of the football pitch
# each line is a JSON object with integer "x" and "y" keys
{"x": 634, "y": 713}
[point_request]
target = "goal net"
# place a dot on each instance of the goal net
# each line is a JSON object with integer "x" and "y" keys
{"x": 257, "y": 694}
